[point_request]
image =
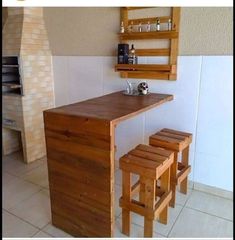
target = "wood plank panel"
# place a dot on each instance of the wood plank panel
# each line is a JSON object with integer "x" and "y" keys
{"x": 87, "y": 219}
{"x": 143, "y": 67}
{"x": 80, "y": 155}
{"x": 145, "y": 74}
{"x": 76, "y": 165}
{"x": 153, "y": 52}
{"x": 149, "y": 35}
{"x": 174, "y": 42}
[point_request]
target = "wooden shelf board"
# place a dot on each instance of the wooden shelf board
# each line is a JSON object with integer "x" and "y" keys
{"x": 149, "y": 35}
{"x": 148, "y": 75}
{"x": 143, "y": 67}
{"x": 136, "y": 8}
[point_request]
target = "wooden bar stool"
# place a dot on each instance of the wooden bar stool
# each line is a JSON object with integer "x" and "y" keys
{"x": 150, "y": 163}
{"x": 176, "y": 141}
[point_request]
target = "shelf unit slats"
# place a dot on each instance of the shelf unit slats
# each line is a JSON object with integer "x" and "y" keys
{"x": 148, "y": 75}
{"x": 152, "y": 20}
{"x": 143, "y": 67}
{"x": 149, "y": 35}
{"x": 136, "y": 8}
{"x": 153, "y": 52}
{"x": 151, "y": 71}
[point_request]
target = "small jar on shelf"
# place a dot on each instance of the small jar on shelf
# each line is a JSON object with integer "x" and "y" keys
{"x": 122, "y": 29}
{"x": 158, "y": 27}
{"x": 148, "y": 27}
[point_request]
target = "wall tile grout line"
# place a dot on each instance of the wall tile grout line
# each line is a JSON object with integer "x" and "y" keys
{"x": 22, "y": 219}
{"x": 23, "y": 200}
{"x": 179, "y": 214}
{"x": 197, "y": 113}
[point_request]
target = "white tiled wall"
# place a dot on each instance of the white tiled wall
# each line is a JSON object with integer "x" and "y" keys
{"x": 202, "y": 105}
{"x": 213, "y": 162}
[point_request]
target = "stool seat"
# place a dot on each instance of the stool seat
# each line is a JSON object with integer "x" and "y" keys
{"x": 171, "y": 139}
{"x": 147, "y": 161}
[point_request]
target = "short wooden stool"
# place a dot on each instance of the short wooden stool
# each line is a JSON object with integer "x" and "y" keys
{"x": 150, "y": 163}
{"x": 176, "y": 141}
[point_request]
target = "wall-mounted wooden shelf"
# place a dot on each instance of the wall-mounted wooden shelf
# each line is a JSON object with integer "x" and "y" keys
{"x": 148, "y": 35}
{"x": 143, "y": 67}
{"x": 151, "y": 71}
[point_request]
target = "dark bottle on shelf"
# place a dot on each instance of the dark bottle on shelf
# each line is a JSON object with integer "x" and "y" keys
{"x": 132, "y": 59}
{"x": 123, "y": 52}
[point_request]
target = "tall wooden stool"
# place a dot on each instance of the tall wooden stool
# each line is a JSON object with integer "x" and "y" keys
{"x": 176, "y": 141}
{"x": 150, "y": 163}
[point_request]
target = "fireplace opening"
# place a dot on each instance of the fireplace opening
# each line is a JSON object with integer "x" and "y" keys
{"x": 12, "y": 141}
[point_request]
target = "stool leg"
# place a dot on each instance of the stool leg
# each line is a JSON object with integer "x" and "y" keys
{"x": 165, "y": 186}
{"x": 126, "y": 194}
{"x": 142, "y": 189}
{"x": 184, "y": 183}
{"x": 149, "y": 201}
{"x": 174, "y": 168}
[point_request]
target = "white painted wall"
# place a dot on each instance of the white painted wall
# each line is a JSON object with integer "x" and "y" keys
{"x": 202, "y": 105}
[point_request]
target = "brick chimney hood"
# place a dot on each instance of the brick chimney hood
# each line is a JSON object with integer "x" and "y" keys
{"x": 25, "y": 36}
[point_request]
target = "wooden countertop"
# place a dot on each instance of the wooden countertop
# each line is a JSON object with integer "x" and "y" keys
{"x": 113, "y": 107}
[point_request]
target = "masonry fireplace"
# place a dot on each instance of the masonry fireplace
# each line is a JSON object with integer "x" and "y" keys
{"x": 27, "y": 84}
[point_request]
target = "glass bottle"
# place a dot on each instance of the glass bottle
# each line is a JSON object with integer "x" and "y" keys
{"x": 158, "y": 25}
{"x": 140, "y": 27}
{"x": 169, "y": 25}
{"x": 131, "y": 27}
{"x": 148, "y": 29}
{"x": 122, "y": 29}
{"x": 132, "y": 59}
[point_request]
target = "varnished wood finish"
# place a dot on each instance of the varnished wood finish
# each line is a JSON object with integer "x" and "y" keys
{"x": 171, "y": 35}
{"x": 177, "y": 141}
{"x": 153, "y": 52}
{"x": 80, "y": 155}
{"x": 149, "y": 35}
{"x": 151, "y": 164}
{"x": 174, "y": 42}
{"x": 142, "y": 67}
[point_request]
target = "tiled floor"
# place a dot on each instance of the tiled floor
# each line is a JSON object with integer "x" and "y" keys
{"x": 26, "y": 208}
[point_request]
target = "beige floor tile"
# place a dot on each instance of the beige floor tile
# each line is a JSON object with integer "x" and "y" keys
{"x": 38, "y": 176}
{"x": 211, "y": 204}
{"x": 6, "y": 178}
{"x": 55, "y": 232}
{"x": 35, "y": 209}
{"x": 16, "y": 191}
{"x": 195, "y": 224}
{"x": 136, "y": 231}
{"x": 158, "y": 227}
{"x": 13, "y": 227}
{"x": 181, "y": 198}
{"x": 42, "y": 234}
{"x": 15, "y": 165}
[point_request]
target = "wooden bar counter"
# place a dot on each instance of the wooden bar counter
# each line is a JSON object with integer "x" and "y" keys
{"x": 80, "y": 155}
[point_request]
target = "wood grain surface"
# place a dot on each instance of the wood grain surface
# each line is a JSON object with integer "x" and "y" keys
{"x": 80, "y": 155}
